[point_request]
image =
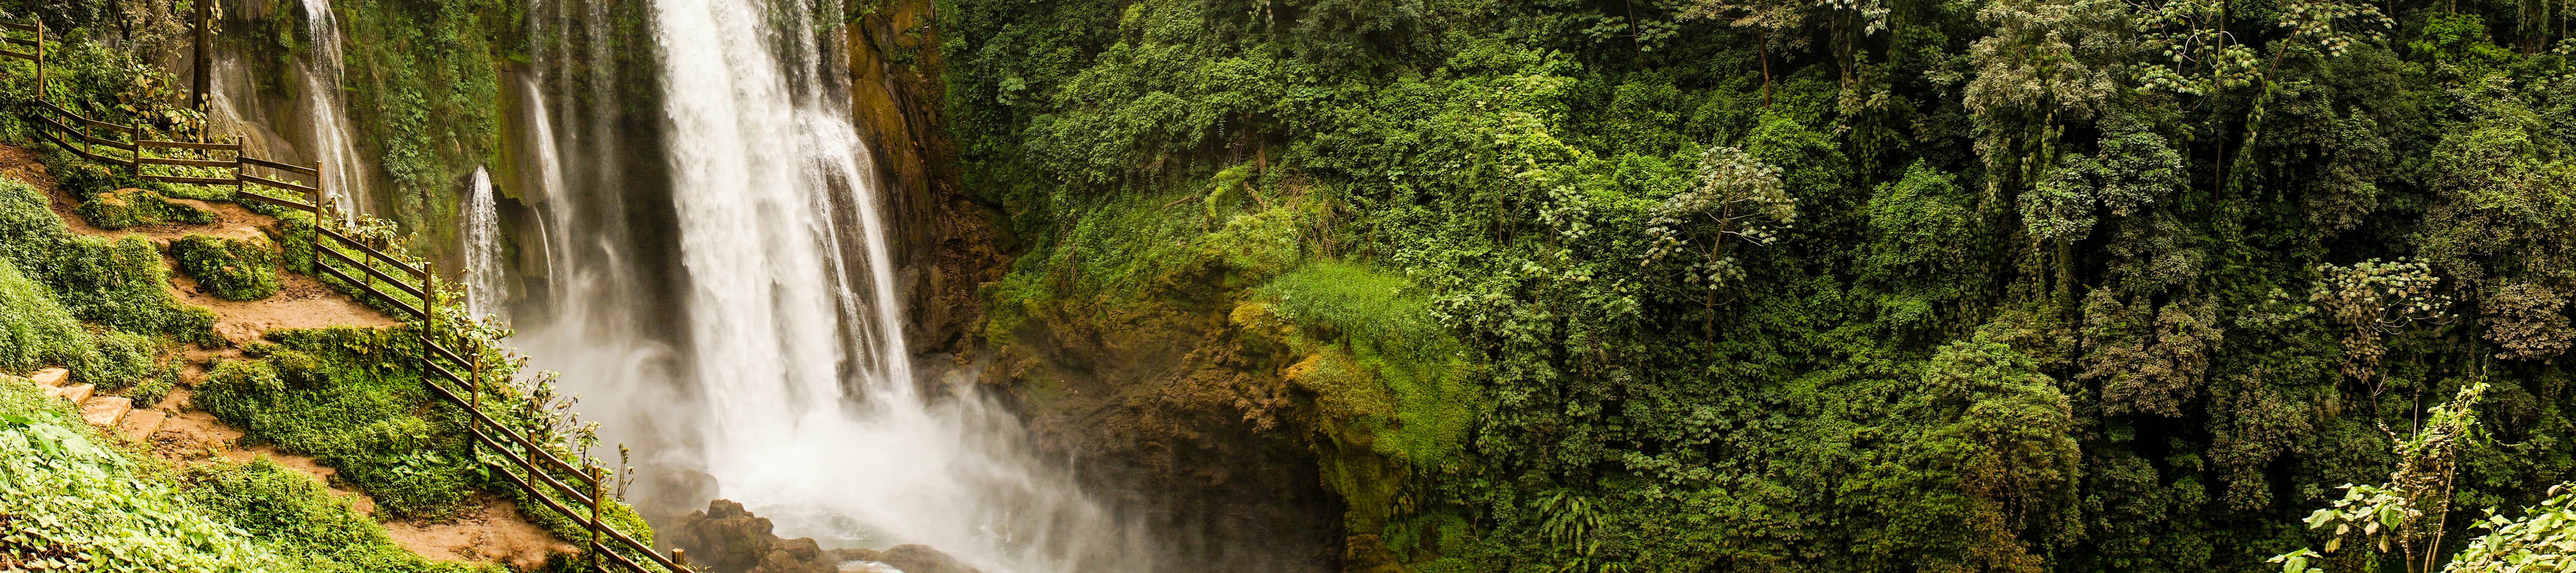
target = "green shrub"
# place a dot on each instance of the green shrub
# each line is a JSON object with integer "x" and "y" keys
{"x": 34, "y": 330}
{"x": 80, "y": 178}
{"x": 122, "y": 284}
{"x": 29, "y": 231}
{"x": 124, "y": 208}
{"x": 228, "y": 268}
{"x": 129, "y": 365}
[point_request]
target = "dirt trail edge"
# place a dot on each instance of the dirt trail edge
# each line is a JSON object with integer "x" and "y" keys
{"x": 489, "y": 530}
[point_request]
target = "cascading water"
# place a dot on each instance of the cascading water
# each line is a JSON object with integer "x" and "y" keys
{"x": 332, "y": 142}
{"x": 483, "y": 247}
{"x": 810, "y": 413}
{"x": 590, "y": 312}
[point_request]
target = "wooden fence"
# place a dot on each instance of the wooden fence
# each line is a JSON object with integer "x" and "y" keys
{"x": 409, "y": 287}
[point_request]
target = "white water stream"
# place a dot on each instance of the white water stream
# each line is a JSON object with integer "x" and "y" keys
{"x": 332, "y": 140}
{"x": 483, "y": 269}
{"x": 811, "y": 415}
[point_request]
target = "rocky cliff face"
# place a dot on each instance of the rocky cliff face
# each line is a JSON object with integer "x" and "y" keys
{"x": 1150, "y": 401}
{"x": 951, "y": 243}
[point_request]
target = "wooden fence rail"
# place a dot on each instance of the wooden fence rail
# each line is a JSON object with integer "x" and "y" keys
{"x": 575, "y": 490}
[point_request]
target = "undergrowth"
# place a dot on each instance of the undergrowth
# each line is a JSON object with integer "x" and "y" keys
{"x": 80, "y": 501}
{"x": 231, "y": 269}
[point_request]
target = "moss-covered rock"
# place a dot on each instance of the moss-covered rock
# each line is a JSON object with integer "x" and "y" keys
{"x": 124, "y": 208}
{"x": 230, "y": 269}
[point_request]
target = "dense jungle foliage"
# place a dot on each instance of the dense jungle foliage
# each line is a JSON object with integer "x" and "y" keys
{"x": 1866, "y": 285}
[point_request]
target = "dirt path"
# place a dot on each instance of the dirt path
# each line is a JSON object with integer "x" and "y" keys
{"x": 489, "y": 530}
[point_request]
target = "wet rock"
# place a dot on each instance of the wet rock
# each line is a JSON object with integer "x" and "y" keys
{"x": 724, "y": 538}
{"x": 727, "y": 539}
{"x": 921, "y": 559}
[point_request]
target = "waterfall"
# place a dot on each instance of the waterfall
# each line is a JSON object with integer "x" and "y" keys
{"x": 809, "y": 413}
{"x": 342, "y": 178}
{"x": 591, "y": 314}
{"x": 483, "y": 247}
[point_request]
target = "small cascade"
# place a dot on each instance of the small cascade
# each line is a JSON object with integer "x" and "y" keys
{"x": 334, "y": 141}
{"x": 483, "y": 270}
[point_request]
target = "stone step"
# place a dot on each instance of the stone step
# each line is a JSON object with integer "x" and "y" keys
{"x": 77, "y": 393}
{"x": 51, "y": 378}
{"x": 141, "y": 424}
{"x": 106, "y": 411}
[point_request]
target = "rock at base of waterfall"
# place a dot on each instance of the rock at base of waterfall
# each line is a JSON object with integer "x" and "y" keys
{"x": 727, "y": 539}
{"x": 908, "y": 558}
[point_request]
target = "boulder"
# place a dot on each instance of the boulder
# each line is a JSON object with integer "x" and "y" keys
{"x": 727, "y": 539}
{"x": 51, "y": 377}
{"x": 106, "y": 411}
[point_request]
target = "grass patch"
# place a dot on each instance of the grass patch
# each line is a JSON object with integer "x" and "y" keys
{"x": 77, "y": 502}
{"x": 74, "y": 504}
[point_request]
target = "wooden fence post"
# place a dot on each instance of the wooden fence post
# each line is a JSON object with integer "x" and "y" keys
{"x": 595, "y": 501}
{"x": 318, "y": 190}
{"x": 474, "y": 385}
{"x": 40, "y": 59}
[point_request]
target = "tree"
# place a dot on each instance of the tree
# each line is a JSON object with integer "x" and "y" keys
{"x": 2372, "y": 300}
{"x": 2407, "y": 515}
{"x": 1989, "y": 466}
{"x": 1736, "y": 198}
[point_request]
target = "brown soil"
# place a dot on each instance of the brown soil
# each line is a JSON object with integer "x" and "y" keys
{"x": 488, "y": 531}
